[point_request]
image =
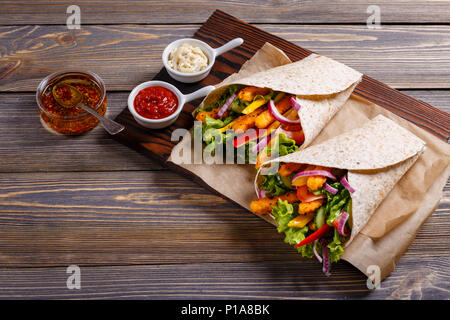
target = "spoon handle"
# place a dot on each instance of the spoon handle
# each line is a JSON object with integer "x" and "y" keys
{"x": 111, "y": 126}
{"x": 199, "y": 93}
{"x": 228, "y": 46}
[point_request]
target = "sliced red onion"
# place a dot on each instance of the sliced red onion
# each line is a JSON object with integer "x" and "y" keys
{"x": 318, "y": 257}
{"x": 262, "y": 194}
{"x": 326, "y": 262}
{"x": 265, "y": 140}
{"x": 287, "y": 133}
{"x": 280, "y": 130}
{"x": 314, "y": 173}
{"x": 330, "y": 189}
{"x": 278, "y": 116}
{"x": 347, "y": 185}
{"x": 294, "y": 104}
{"x": 226, "y": 105}
{"x": 342, "y": 221}
{"x": 261, "y": 144}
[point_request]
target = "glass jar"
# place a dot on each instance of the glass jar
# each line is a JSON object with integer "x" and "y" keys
{"x": 71, "y": 121}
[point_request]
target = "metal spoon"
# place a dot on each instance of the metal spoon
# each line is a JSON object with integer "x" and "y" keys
{"x": 75, "y": 101}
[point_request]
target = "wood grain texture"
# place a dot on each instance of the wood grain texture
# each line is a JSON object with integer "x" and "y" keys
{"x": 125, "y": 217}
{"x": 142, "y": 217}
{"x": 126, "y": 55}
{"x": 127, "y": 228}
{"x": 255, "y": 280}
{"x": 197, "y": 11}
{"x": 25, "y": 145}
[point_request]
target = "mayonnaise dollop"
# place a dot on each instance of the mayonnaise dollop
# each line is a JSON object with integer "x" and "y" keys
{"x": 188, "y": 59}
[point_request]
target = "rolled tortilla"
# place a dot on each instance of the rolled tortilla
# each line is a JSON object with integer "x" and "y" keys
{"x": 321, "y": 86}
{"x": 376, "y": 156}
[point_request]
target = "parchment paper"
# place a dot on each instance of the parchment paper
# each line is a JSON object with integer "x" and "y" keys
{"x": 393, "y": 226}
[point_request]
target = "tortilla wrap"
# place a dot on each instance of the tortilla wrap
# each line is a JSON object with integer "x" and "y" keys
{"x": 321, "y": 86}
{"x": 376, "y": 156}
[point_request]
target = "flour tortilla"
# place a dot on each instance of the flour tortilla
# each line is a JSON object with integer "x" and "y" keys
{"x": 376, "y": 156}
{"x": 321, "y": 86}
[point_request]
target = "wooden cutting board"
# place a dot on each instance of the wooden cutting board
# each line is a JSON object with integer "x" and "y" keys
{"x": 221, "y": 28}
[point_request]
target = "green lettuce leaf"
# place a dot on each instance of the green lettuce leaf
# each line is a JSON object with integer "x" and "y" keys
{"x": 336, "y": 202}
{"x": 216, "y": 123}
{"x": 285, "y": 212}
{"x": 335, "y": 249}
{"x": 274, "y": 184}
{"x": 212, "y": 137}
{"x": 283, "y": 145}
{"x": 223, "y": 98}
{"x": 238, "y": 105}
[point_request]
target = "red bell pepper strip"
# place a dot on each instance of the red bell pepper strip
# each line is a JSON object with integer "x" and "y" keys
{"x": 247, "y": 137}
{"x": 323, "y": 231}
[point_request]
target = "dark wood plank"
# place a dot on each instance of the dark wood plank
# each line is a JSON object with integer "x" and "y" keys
{"x": 25, "y": 145}
{"x": 141, "y": 217}
{"x": 254, "y": 11}
{"x": 400, "y": 56}
{"x": 125, "y": 217}
{"x": 123, "y": 56}
{"x": 252, "y": 280}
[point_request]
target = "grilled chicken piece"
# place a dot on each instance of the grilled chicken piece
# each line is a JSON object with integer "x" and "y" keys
{"x": 243, "y": 123}
{"x": 265, "y": 119}
{"x": 249, "y": 93}
{"x": 264, "y": 205}
{"x": 308, "y": 207}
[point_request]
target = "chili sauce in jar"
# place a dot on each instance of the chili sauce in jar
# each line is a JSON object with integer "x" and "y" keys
{"x": 71, "y": 121}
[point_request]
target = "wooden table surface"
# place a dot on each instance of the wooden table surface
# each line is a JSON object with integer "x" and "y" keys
{"x": 136, "y": 229}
